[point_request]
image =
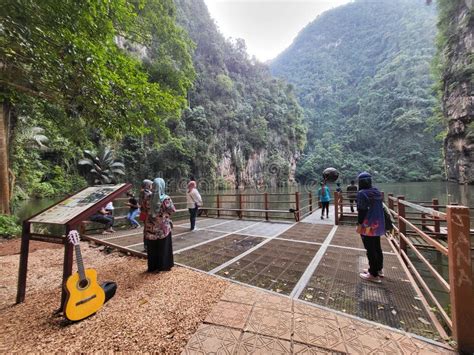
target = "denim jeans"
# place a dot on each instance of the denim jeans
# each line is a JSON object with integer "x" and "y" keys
{"x": 132, "y": 215}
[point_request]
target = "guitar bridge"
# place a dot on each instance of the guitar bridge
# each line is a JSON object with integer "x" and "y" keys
{"x": 85, "y": 300}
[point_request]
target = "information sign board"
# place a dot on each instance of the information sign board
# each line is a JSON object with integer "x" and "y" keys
{"x": 73, "y": 206}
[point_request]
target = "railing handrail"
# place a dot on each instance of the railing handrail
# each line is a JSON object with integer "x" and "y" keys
{"x": 458, "y": 251}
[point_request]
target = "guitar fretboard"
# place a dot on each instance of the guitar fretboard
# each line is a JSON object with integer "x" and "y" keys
{"x": 80, "y": 263}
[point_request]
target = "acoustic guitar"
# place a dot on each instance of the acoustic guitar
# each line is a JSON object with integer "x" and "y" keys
{"x": 84, "y": 295}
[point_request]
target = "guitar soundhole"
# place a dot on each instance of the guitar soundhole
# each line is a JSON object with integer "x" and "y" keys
{"x": 83, "y": 283}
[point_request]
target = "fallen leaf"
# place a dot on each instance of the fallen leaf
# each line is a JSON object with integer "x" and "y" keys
{"x": 424, "y": 321}
{"x": 394, "y": 312}
{"x": 379, "y": 307}
{"x": 142, "y": 301}
{"x": 418, "y": 309}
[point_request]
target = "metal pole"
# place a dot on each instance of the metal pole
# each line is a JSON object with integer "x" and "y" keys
{"x": 265, "y": 196}
{"x": 241, "y": 202}
{"x": 218, "y": 204}
{"x": 461, "y": 277}
{"x": 297, "y": 200}
{"x": 402, "y": 228}
{"x": 341, "y": 204}
{"x": 23, "y": 269}
{"x": 310, "y": 197}
{"x": 336, "y": 208}
{"x": 436, "y": 219}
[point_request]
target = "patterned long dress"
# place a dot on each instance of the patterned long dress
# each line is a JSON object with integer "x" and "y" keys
{"x": 157, "y": 233}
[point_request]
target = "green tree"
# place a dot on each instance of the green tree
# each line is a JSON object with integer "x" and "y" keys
{"x": 102, "y": 168}
{"x": 74, "y": 55}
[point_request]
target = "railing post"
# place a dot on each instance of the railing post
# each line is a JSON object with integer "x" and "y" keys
{"x": 390, "y": 201}
{"x": 402, "y": 227}
{"x": 461, "y": 277}
{"x": 310, "y": 198}
{"x": 436, "y": 219}
{"x": 265, "y": 196}
{"x": 336, "y": 208}
{"x": 341, "y": 204}
{"x": 241, "y": 202}
{"x": 218, "y": 203}
{"x": 297, "y": 201}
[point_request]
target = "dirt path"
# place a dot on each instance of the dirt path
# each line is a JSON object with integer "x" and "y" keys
{"x": 150, "y": 312}
{"x": 10, "y": 247}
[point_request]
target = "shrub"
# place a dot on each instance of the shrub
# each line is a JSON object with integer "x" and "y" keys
{"x": 9, "y": 226}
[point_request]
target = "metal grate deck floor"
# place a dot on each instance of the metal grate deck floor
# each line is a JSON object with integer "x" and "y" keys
{"x": 303, "y": 260}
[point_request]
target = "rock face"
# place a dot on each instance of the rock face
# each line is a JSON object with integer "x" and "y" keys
{"x": 259, "y": 170}
{"x": 458, "y": 100}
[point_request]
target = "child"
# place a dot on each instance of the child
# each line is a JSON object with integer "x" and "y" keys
{"x": 134, "y": 210}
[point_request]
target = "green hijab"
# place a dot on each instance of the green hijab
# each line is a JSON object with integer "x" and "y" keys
{"x": 159, "y": 195}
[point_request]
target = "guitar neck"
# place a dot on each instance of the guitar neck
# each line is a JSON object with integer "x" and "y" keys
{"x": 80, "y": 263}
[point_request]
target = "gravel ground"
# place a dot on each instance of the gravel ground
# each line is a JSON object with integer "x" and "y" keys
{"x": 149, "y": 313}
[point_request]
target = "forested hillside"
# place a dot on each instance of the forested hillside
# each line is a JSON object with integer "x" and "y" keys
{"x": 362, "y": 75}
{"x": 242, "y": 126}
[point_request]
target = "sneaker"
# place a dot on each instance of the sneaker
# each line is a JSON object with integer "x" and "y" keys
{"x": 368, "y": 277}
{"x": 322, "y": 217}
{"x": 381, "y": 274}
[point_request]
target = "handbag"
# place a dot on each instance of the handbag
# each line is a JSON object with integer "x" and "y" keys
{"x": 143, "y": 216}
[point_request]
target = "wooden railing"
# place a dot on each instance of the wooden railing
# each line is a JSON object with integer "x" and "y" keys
{"x": 264, "y": 205}
{"x": 449, "y": 234}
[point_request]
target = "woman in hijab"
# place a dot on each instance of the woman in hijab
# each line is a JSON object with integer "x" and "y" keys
{"x": 144, "y": 203}
{"x": 193, "y": 202}
{"x": 158, "y": 229}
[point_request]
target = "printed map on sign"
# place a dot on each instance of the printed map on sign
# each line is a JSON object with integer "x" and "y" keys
{"x": 75, "y": 205}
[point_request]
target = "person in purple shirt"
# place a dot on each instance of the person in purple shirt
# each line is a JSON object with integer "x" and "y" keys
{"x": 370, "y": 225}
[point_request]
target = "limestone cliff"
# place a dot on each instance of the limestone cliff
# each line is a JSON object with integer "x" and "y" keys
{"x": 242, "y": 127}
{"x": 456, "y": 53}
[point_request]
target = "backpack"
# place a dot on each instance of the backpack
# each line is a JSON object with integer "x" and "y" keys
{"x": 388, "y": 219}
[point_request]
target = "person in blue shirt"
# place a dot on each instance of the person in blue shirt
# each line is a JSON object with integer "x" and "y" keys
{"x": 370, "y": 225}
{"x": 324, "y": 196}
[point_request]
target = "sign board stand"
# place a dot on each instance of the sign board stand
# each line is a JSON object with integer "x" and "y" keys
{"x": 69, "y": 212}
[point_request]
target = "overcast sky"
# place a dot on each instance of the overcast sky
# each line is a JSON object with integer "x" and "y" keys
{"x": 267, "y": 26}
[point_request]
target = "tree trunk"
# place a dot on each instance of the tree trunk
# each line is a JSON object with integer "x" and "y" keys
{"x": 4, "y": 181}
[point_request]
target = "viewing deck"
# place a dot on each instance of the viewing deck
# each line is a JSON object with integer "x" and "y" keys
{"x": 297, "y": 287}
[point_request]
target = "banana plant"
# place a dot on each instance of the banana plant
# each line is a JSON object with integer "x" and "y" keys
{"x": 102, "y": 166}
